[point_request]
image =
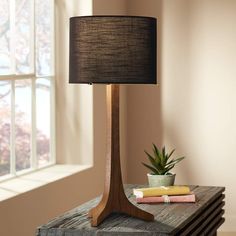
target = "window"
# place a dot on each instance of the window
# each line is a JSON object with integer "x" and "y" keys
{"x": 26, "y": 85}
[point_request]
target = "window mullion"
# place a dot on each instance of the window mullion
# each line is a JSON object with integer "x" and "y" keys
{"x": 52, "y": 122}
{"x": 34, "y": 163}
{"x": 13, "y": 131}
{"x": 12, "y": 35}
{"x": 13, "y": 76}
{"x": 53, "y": 37}
{"x": 52, "y": 91}
{"x": 32, "y": 38}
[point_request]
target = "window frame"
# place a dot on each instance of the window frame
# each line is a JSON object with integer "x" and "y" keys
{"x": 12, "y": 78}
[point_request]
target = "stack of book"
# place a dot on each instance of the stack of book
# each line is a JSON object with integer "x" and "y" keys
{"x": 164, "y": 194}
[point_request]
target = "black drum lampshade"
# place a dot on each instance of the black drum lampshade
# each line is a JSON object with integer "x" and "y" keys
{"x": 112, "y": 50}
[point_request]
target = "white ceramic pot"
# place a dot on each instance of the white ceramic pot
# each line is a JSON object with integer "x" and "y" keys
{"x": 161, "y": 180}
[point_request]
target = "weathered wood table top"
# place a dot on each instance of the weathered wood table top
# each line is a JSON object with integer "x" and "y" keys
{"x": 201, "y": 218}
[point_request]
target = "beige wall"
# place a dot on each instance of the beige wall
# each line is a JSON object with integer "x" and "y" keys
{"x": 80, "y": 133}
{"x": 74, "y": 104}
{"x": 195, "y": 102}
{"x": 143, "y": 104}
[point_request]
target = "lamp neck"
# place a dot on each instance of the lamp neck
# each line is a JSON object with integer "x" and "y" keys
{"x": 113, "y": 138}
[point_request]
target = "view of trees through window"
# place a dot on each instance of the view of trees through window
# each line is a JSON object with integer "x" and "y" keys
{"x": 26, "y": 74}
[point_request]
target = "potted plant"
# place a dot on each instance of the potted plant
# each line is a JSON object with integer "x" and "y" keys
{"x": 160, "y": 165}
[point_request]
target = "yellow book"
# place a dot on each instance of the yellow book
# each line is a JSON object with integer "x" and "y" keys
{"x": 160, "y": 191}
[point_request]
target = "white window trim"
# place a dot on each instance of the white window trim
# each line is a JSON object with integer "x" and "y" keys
{"x": 33, "y": 77}
{"x": 30, "y": 181}
{"x": 34, "y": 166}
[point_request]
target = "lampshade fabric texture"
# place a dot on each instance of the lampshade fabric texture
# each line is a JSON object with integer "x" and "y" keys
{"x": 112, "y": 49}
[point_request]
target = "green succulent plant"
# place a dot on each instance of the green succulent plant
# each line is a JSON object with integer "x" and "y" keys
{"x": 161, "y": 161}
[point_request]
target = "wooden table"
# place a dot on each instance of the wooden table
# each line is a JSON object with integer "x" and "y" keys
{"x": 201, "y": 218}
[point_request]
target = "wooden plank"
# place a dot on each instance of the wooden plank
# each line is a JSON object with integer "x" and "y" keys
{"x": 217, "y": 215}
{"x": 212, "y": 228}
{"x": 201, "y": 218}
{"x": 206, "y": 196}
{"x": 169, "y": 218}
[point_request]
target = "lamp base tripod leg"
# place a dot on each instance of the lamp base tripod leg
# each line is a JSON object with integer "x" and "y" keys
{"x": 114, "y": 198}
{"x": 120, "y": 204}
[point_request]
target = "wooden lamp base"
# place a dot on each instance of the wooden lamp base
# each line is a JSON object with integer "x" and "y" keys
{"x": 114, "y": 198}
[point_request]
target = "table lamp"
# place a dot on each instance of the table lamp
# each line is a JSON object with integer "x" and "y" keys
{"x": 113, "y": 50}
